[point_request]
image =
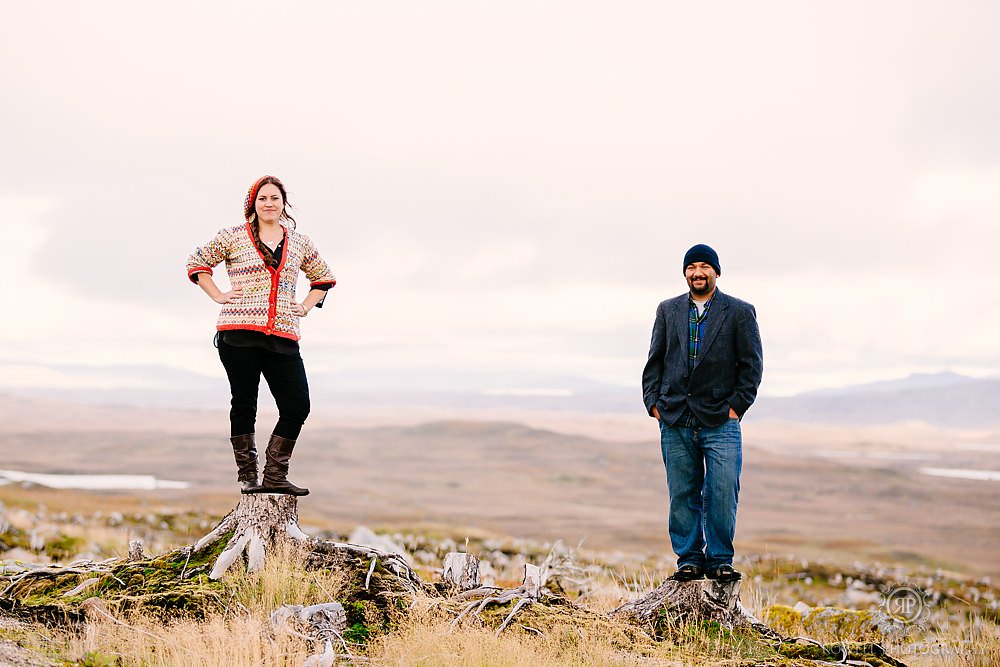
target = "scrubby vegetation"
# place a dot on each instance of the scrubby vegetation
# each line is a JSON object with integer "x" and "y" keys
{"x": 164, "y": 610}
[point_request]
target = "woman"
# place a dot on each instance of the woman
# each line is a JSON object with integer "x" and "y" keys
{"x": 258, "y": 328}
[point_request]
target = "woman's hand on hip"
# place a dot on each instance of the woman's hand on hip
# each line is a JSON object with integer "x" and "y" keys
{"x": 229, "y": 297}
{"x": 299, "y": 309}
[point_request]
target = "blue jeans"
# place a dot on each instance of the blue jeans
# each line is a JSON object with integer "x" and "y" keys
{"x": 703, "y": 477}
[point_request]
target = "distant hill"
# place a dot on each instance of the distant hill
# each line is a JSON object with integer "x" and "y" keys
{"x": 944, "y": 399}
{"x": 941, "y": 399}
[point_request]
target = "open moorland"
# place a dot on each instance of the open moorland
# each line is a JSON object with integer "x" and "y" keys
{"x": 832, "y": 519}
{"x": 812, "y": 490}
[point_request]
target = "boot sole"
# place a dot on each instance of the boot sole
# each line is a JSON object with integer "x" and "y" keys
{"x": 270, "y": 489}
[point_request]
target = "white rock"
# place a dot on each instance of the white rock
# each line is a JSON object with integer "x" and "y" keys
{"x": 802, "y": 608}
{"x": 365, "y": 537}
{"x": 858, "y": 598}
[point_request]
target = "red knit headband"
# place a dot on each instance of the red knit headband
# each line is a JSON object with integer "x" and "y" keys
{"x": 248, "y": 206}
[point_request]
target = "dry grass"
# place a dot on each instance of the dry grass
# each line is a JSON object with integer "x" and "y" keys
{"x": 226, "y": 642}
{"x": 427, "y": 640}
{"x": 542, "y": 636}
{"x": 977, "y": 645}
{"x": 546, "y": 636}
{"x": 283, "y": 581}
{"x": 434, "y": 644}
{"x": 240, "y": 635}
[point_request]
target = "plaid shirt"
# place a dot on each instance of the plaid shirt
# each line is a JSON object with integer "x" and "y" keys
{"x": 696, "y": 332}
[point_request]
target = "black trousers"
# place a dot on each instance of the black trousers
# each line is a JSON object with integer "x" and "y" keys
{"x": 286, "y": 378}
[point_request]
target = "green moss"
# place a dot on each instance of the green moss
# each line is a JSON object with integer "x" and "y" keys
{"x": 371, "y": 610}
{"x": 153, "y": 585}
{"x": 711, "y": 638}
{"x": 357, "y": 628}
{"x": 663, "y": 625}
{"x": 207, "y": 556}
{"x": 97, "y": 659}
{"x": 63, "y": 548}
{"x": 14, "y": 538}
{"x": 783, "y": 619}
{"x": 873, "y": 654}
{"x": 840, "y": 623}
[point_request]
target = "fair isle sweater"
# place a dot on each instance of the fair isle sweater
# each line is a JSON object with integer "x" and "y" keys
{"x": 268, "y": 294}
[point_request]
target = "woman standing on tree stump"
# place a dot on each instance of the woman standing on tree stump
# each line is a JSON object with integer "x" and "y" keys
{"x": 258, "y": 328}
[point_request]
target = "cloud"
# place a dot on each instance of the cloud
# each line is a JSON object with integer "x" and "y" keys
{"x": 514, "y": 185}
{"x": 961, "y": 193}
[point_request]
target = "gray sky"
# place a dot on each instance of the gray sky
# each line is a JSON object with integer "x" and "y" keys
{"x": 511, "y": 185}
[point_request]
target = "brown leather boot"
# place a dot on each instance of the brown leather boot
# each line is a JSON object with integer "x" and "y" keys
{"x": 279, "y": 451}
{"x": 245, "y": 451}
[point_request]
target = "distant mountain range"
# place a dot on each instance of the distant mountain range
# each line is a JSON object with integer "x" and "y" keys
{"x": 942, "y": 399}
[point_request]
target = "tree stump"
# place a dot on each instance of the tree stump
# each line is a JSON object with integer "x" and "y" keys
{"x": 529, "y": 592}
{"x": 681, "y": 600}
{"x": 460, "y": 572}
{"x": 135, "y": 552}
{"x": 533, "y": 580}
{"x": 256, "y": 523}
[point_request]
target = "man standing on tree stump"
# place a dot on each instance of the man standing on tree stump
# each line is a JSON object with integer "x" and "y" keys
{"x": 704, "y": 367}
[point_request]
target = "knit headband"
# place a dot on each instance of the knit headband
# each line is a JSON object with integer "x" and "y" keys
{"x": 248, "y": 206}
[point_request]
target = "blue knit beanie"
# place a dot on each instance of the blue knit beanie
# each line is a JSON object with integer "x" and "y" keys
{"x": 702, "y": 253}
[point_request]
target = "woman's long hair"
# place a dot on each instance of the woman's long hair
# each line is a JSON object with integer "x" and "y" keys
{"x": 250, "y": 212}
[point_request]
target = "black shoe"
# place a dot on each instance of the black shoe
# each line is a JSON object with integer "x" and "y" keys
{"x": 688, "y": 572}
{"x": 724, "y": 573}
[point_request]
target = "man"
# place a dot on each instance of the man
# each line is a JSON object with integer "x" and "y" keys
{"x": 704, "y": 367}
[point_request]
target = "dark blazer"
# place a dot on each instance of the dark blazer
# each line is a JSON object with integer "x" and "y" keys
{"x": 729, "y": 365}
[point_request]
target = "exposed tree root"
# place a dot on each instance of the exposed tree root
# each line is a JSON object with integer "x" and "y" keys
{"x": 256, "y": 523}
{"x": 704, "y": 599}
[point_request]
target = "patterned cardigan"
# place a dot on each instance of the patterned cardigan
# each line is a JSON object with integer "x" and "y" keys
{"x": 268, "y": 294}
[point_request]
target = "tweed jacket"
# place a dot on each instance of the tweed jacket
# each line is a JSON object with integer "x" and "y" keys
{"x": 729, "y": 368}
{"x": 268, "y": 294}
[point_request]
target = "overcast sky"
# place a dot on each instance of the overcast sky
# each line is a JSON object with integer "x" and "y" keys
{"x": 510, "y": 185}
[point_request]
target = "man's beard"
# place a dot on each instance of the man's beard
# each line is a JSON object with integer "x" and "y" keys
{"x": 700, "y": 290}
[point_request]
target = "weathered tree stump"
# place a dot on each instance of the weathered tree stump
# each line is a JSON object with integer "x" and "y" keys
{"x": 256, "y": 524}
{"x": 682, "y": 600}
{"x": 533, "y": 580}
{"x": 135, "y": 552}
{"x": 530, "y": 591}
{"x": 460, "y": 572}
